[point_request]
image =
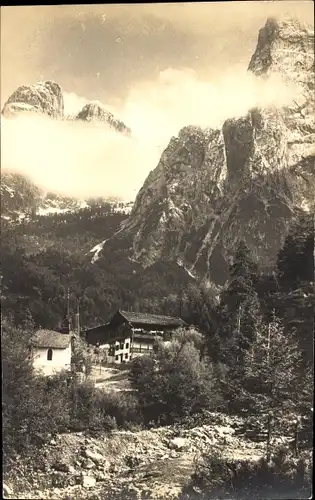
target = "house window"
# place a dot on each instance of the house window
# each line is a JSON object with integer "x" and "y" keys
{"x": 126, "y": 356}
{"x": 121, "y": 345}
{"x": 127, "y": 345}
{"x": 49, "y": 354}
{"x": 117, "y": 347}
{"x": 117, "y": 357}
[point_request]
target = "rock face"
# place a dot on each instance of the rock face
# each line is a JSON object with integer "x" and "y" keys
{"x": 18, "y": 196}
{"x": 22, "y": 199}
{"x": 246, "y": 181}
{"x": 95, "y": 113}
{"x": 42, "y": 97}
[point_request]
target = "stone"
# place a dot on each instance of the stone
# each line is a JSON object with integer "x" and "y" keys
{"x": 88, "y": 481}
{"x": 71, "y": 470}
{"x": 94, "y": 456}
{"x": 179, "y": 444}
{"x": 6, "y": 490}
{"x": 62, "y": 467}
{"x": 88, "y": 464}
{"x": 100, "y": 476}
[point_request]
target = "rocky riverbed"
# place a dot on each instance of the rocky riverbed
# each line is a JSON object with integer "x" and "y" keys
{"x": 155, "y": 463}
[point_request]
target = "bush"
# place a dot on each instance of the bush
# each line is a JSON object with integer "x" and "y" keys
{"x": 119, "y": 406}
{"x": 85, "y": 413}
{"x": 173, "y": 383}
{"x": 33, "y": 407}
{"x": 95, "y": 409}
{"x": 282, "y": 477}
{"x": 81, "y": 357}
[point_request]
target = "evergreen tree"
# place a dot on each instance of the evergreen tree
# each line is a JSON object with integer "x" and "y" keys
{"x": 295, "y": 274}
{"x": 295, "y": 263}
{"x": 239, "y": 306}
{"x": 273, "y": 374}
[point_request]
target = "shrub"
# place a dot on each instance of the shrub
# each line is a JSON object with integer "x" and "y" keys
{"x": 173, "y": 383}
{"x": 184, "y": 335}
{"x": 81, "y": 357}
{"x": 33, "y": 406}
{"x": 85, "y": 412}
{"x": 96, "y": 409}
{"x": 283, "y": 476}
{"x": 119, "y": 406}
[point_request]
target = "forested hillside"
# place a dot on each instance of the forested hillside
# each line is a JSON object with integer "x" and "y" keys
{"x": 44, "y": 257}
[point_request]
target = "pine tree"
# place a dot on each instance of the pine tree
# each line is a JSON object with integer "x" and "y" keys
{"x": 295, "y": 263}
{"x": 295, "y": 274}
{"x": 272, "y": 377}
{"x": 239, "y": 306}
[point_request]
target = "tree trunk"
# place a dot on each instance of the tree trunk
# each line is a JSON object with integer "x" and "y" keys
{"x": 296, "y": 439}
{"x": 269, "y": 429}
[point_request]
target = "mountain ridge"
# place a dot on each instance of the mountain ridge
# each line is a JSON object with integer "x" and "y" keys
{"x": 20, "y": 197}
{"x": 245, "y": 181}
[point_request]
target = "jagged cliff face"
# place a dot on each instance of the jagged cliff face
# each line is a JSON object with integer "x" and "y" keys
{"x": 21, "y": 200}
{"x": 42, "y": 97}
{"x": 47, "y": 98}
{"x": 213, "y": 188}
{"x": 96, "y": 113}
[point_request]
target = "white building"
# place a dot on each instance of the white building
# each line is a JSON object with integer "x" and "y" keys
{"x": 51, "y": 351}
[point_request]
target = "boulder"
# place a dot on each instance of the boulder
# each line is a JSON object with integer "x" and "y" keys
{"x": 62, "y": 467}
{"x": 100, "y": 476}
{"x": 94, "y": 456}
{"x": 88, "y": 464}
{"x": 6, "y": 491}
{"x": 178, "y": 444}
{"x": 88, "y": 481}
{"x": 173, "y": 454}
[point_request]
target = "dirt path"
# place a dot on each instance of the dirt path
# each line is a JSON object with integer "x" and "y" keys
{"x": 113, "y": 379}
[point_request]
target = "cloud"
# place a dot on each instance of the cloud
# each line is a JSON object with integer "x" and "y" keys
{"x": 84, "y": 159}
{"x": 157, "y": 110}
{"x": 74, "y": 159}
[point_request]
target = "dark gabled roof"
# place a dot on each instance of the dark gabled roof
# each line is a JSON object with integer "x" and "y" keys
{"x": 97, "y": 328}
{"x": 50, "y": 338}
{"x": 151, "y": 319}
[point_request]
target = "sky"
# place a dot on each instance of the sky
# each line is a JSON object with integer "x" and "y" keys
{"x": 156, "y": 66}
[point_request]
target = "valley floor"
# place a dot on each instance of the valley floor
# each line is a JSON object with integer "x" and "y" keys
{"x": 155, "y": 463}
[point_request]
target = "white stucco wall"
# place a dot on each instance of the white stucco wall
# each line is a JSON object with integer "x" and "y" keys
{"x": 146, "y": 346}
{"x": 124, "y": 351}
{"x": 61, "y": 360}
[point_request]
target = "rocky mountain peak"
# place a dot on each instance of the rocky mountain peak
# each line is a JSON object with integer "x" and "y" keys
{"x": 42, "y": 97}
{"x": 245, "y": 181}
{"x": 95, "y": 113}
{"x": 284, "y": 46}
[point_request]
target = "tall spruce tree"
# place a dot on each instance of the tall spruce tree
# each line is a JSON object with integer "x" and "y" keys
{"x": 295, "y": 274}
{"x": 239, "y": 306}
{"x": 273, "y": 380}
{"x": 295, "y": 263}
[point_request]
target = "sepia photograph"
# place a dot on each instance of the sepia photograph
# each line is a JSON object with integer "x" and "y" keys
{"x": 157, "y": 250}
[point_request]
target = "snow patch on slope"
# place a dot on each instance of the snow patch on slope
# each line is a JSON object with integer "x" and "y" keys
{"x": 96, "y": 250}
{"x": 180, "y": 263}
